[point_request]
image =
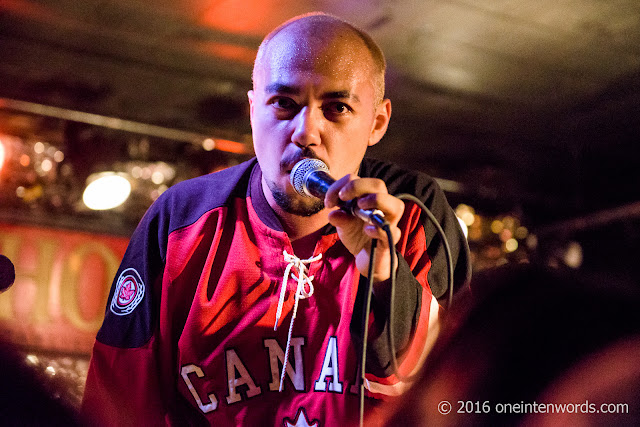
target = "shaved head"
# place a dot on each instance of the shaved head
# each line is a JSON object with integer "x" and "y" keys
{"x": 310, "y": 37}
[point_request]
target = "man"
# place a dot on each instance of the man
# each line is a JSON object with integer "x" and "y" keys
{"x": 239, "y": 301}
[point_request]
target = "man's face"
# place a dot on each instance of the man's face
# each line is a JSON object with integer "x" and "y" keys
{"x": 312, "y": 99}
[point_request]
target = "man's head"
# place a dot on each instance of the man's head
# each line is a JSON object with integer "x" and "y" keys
{"x": 318, "y": 88}
{"x": 316, "y": 24}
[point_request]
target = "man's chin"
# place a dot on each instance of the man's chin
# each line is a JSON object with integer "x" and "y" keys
{"x": 297, "y": 205}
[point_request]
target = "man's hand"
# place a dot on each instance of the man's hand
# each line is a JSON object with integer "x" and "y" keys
{"x": 356, "y": 234}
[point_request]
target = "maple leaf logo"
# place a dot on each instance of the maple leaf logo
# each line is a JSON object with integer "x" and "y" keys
{"x": 301, "y": 420}
{"x": 127, "y": 291}
{"x": 128, "y": 294}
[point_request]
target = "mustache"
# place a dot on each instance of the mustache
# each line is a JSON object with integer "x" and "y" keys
{"x": 305, "y": 153}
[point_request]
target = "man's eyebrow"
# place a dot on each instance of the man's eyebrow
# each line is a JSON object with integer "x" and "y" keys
{"x": 341, "y": 94}
{"x": 281, "y": 88}
{"x": 292, "y": 90}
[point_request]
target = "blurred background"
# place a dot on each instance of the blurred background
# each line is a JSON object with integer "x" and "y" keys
{"x": 527, "y": 112}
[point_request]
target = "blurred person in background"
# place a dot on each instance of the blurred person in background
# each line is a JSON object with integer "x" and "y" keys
{"x": 530, "y": 335}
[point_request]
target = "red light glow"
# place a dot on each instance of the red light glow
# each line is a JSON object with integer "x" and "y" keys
{"x": 249, "y": 19}
{"x": 231, "y": 52}
{"x": 2, "y": 155}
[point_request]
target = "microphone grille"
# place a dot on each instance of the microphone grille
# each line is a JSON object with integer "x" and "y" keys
{"x": 300, "y": 172}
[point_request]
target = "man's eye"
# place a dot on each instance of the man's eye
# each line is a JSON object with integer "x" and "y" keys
{"x": 338, "y": 108}
{"x": 284, "y": 103}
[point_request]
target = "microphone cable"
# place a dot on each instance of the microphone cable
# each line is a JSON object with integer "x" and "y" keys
{"x": 365, "y": 321}
{"x": 367, "y": 308}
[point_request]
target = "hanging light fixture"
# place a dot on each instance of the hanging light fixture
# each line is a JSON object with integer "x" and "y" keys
{"x": 106, "y": 190}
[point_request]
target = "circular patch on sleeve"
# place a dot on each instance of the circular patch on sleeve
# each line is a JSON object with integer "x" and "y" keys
{"x": 128, "y": 294}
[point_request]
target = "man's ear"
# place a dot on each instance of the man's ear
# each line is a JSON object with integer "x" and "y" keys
{"x": 380, "y": 122}
{"x": 250, "y": 96}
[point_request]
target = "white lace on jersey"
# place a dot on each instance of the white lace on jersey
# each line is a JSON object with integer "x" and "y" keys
{"x": 304, "y": 283}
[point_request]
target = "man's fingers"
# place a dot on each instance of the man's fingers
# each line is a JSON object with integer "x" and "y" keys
{"x": 339, "y": 218}
{"x": 391, "y": 207}
{"x": 332, "y": 197}
{"x": 375, "y": 232}
{"x": 356, "y": 187}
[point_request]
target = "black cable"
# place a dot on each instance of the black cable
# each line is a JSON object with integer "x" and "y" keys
{"x": 365, "y": 326}
{"x": 447, "y": 249}
{"x": 367, "y": 309}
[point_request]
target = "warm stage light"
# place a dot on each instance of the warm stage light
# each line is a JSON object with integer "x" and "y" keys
{"x": 466, "y": 213}
{"x": 208, "y": 144}
{"x": 497, "y": 226}
{"x": 573, "y": 255}
{"x": 2, "y": 154}
{"x": 465, "y": 228}
{"x": 106, "y": 190}
{"x": 511, "y": 245}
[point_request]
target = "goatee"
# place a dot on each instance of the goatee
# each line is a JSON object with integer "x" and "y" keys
{"x": 295, "y": 206}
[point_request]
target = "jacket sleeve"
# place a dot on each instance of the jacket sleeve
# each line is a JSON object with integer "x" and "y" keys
{"x": 421, "y": 283}
{"x": 124, "y": 383}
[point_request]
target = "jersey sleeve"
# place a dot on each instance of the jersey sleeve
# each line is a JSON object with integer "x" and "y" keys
{"x": 124, "y": 382}
{"x": 421, "y": 287}
{"x": 131, "y": 379}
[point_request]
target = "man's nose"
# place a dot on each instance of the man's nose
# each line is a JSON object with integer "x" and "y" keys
{"x": 307, "y": 127}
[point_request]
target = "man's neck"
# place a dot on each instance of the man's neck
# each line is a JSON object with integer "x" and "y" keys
{"x": 301, "y": 226}
{"x": 304, "y": 247}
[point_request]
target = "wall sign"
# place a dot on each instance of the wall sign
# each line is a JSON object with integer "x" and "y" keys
{"x": 63, "y": 278}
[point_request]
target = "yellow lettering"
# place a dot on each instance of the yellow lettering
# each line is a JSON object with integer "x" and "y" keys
{"x": 9, "y": 248}
{"x": 69, "y": 292}
{"x": 40, "y": 276}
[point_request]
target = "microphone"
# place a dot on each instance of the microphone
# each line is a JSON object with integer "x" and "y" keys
{"x": 7, "y": 273}
{"x": 310, "y": 178}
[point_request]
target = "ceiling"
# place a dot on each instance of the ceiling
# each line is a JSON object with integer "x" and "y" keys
{"x": 516, "y": 105}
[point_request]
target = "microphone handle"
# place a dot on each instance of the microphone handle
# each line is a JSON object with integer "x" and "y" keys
{"x": 317, "y": 184}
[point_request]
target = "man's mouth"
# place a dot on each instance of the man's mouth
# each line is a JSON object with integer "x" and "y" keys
{"x": 290, "y": 165}
{"x": 286, "y": 165}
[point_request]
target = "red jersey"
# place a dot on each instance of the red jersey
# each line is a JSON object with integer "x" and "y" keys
{"x": 189, "y": 338}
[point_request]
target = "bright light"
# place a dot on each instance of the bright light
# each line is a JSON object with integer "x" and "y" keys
{"x": 573, "y": 255}
{"x": 106, "y": 190}
{"x": 463, "y": 225}
{"x": 511, "y": 245}
{"x": 46, "y": 165}
{"x": 208, "y": 144}
{"x": 2, "y": 155}
{"x": 466, "y": 213}
{"x": 157, "y": 177}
